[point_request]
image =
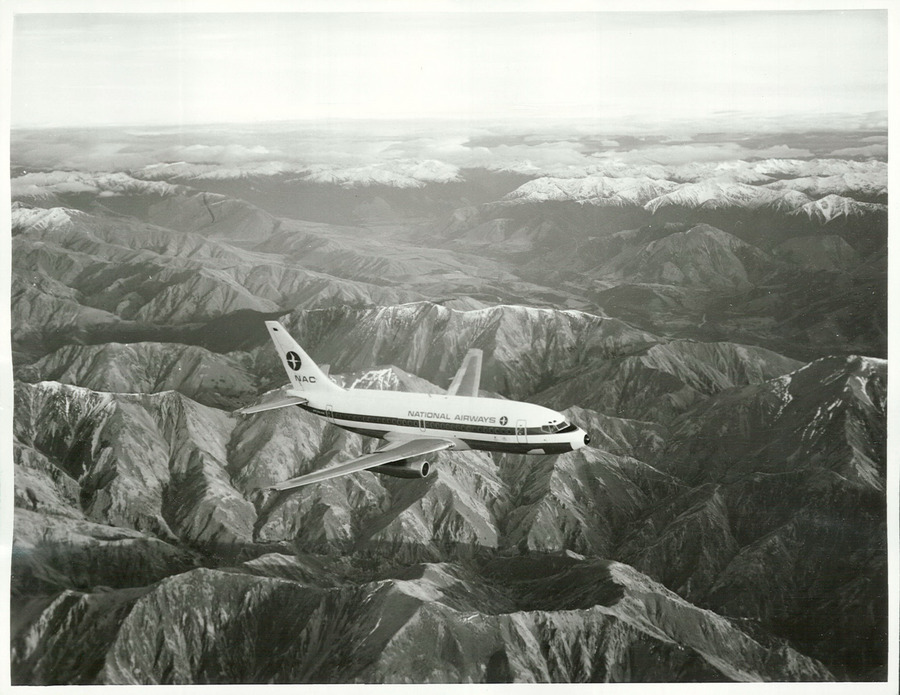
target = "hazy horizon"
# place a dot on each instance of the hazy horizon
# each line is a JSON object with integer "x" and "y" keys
{"x": 649, "y": 70}
{"x": 720, "y": 122}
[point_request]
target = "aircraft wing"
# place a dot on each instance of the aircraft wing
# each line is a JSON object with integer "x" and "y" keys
{"x": 468, "y": 378}
{"x": 282, "y": 401}
{"x": 391, "y": 454}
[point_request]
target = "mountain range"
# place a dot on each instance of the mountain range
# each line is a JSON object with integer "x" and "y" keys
{"x": 727, "y": 523}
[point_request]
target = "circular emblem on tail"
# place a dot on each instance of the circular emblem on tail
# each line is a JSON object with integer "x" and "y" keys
{"x": 293, "y": 360}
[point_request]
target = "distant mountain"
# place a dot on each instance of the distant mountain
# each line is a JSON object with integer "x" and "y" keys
{"x": 726, "y": 282}
{"x": 821, "y": 252}
{"x": 76, "y": 271}
{"x": 703, "y": 256}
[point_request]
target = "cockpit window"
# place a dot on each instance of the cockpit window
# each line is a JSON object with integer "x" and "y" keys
{"x": 554, "y": 427}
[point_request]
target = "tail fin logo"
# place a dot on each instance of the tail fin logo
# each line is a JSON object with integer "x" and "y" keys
{"x": 293, "y": 360}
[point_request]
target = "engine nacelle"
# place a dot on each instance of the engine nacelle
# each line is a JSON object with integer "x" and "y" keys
{"x": 407, "y": 468}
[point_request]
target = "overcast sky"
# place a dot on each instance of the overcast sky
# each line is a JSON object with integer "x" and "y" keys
{"x": 97, "y": 69}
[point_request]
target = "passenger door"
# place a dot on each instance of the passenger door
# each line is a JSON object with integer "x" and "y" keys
{"x": 521, "y": 432}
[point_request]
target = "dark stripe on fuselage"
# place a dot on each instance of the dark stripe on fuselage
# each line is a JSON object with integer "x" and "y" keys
{"x": 516, "y": 448}
{"x": 365, "y": 431}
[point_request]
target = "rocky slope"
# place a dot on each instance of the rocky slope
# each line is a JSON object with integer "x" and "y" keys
{"x": 795, "y": 461}
{"x": 146, "y": 367}
{"x": 433, "y": 623}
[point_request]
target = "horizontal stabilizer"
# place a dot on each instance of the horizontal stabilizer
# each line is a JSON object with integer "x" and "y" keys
{"x": 282, "y": 402}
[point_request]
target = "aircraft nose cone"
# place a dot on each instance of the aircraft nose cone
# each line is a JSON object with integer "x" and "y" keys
{"x": 587, "y": 439}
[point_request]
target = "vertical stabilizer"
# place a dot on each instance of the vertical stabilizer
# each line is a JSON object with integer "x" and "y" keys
{"x": 302, "y": 372}
{"x": 468, "y": 379}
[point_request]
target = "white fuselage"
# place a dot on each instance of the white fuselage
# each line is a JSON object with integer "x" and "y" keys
{"x": 490, "y": 424}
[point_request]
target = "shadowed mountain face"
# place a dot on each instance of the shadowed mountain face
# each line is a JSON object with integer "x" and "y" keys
{"x": 719, "y": 329}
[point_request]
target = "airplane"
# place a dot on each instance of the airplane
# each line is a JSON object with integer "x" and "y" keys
{"x": 414, "y": 425}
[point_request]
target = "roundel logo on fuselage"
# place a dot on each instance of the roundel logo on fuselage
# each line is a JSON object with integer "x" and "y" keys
{"x": 293, "y": 360}
{"x": 503, "y": 420}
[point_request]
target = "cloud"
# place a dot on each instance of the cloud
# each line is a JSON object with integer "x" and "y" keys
{"x": 824, "y": 166}
{"x": 781, "y": 152}
{"x": 413, "y": 154}
{"x": 402, "y": 174}
{"x": 218, "y": 154}
{"x": 692, "y": 153}
{"x": 876, "y": 150}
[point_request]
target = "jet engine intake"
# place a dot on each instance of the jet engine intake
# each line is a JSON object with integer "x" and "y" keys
{"x": 407, "y": 468}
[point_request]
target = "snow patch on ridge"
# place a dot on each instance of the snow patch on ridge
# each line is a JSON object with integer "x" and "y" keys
{"x": 784, "y": 184}
{"x": 45, "y": 184}
{"x": 834, "y": 206}
{"x": 42, "y": 218}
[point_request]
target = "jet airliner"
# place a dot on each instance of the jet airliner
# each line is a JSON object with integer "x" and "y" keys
{"x": 415, "y": 425}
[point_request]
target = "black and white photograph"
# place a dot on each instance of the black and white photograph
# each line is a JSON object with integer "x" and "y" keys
{"x": 399, "y": 342}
